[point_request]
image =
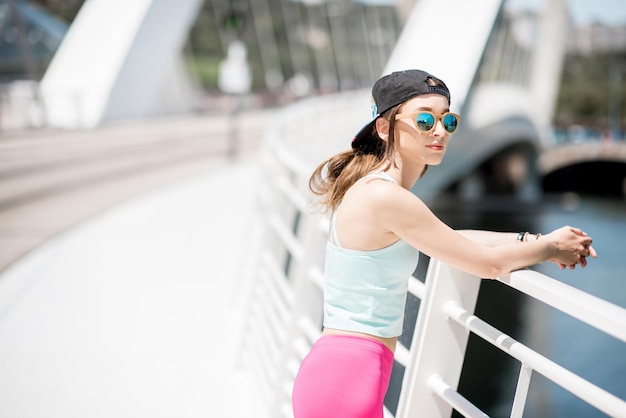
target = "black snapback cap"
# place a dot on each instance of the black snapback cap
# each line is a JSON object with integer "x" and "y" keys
{"x": 393, "y": 89}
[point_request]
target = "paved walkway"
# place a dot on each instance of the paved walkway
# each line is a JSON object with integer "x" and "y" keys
{"x": 134, "y": 313}
{"x": 53, "y": 179}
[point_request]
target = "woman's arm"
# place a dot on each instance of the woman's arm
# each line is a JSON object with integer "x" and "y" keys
{"x": 493, "y": 239}
{"x": 483, "y": 253}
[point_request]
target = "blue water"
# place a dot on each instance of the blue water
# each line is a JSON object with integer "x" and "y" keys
{"x": 596, "y": 357}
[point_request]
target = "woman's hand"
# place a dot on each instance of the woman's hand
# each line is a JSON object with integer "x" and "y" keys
{"x": 572, "y": 246}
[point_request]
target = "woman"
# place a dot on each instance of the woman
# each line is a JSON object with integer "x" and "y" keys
{"x": 377, "y": 227}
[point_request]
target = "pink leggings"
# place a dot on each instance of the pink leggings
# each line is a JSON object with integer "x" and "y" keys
{"x": 343, "y": 376}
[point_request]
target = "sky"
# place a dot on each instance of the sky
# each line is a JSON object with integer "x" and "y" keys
{"x": 610, "y": 12}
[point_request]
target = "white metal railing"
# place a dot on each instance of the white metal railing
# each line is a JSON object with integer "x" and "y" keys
{"x": 284, "y": 314}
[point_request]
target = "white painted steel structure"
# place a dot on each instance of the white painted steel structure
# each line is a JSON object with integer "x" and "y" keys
{"x": 442, "y": 45}
{"x": 510, "y": 100}
{"x": 120, "y": 59}
{"x": 283, "y": 298}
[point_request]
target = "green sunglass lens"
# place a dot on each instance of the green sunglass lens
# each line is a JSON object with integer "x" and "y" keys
{"x": 425, "y": 121}
{"x": 450, "y": 123}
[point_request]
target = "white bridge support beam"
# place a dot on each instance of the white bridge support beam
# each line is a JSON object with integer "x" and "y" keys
{"x": 548, "y": 62}
{"x": 449, "y": 48}
{"x": 120, "y": 59}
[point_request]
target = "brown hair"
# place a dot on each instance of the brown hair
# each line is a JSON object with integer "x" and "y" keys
{"x": 333, "y": 177}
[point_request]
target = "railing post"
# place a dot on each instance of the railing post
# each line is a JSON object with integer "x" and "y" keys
{"x": 438, "y": 346}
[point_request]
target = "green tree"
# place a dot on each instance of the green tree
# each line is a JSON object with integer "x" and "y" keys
{"x": 592, "y": 86}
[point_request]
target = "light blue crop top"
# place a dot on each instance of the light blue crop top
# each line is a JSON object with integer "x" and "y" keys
{"x": 365, "y": 291}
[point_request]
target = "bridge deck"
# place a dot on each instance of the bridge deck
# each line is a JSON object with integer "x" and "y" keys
{"x": 134, "y": 312}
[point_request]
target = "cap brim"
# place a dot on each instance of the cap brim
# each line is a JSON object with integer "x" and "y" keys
{"x": 364, "y": 136}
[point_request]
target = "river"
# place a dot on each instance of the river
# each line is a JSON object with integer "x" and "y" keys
{"x": 601, "y": 359}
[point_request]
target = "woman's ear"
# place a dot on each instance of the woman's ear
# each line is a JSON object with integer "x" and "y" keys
{"x": 382, "y": 127}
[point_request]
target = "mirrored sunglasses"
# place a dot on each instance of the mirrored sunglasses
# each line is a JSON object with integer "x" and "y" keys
{"x": 426, "y": 121}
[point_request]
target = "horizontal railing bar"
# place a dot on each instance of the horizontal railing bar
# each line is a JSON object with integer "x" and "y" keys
{"x": 316, "y": 276}
{"x": 402, "y": 355}
{"x": 293, "y": 366}
{"x": 292, "y": 194}
{"x": 281, "y": 306}
{"x": 286, "y": 157}
{"x": 264, "y": 357}
{"x": 309, "y": 329}
{"x": 592, "y": 394}
{"x": 587, "y": 308}
{"x": 287, "y": 387}
{"x": 263, "y": 367}
{"x": 273, "y": 316}
{"x": 268, "y": 335}
{"x": 266, "y": 310}
{"x": 301, "y": 347}
{"x": 278, "y": 278}
{"x": 288, "y": 238}
{"x": 387, "y": 413}
{"x": 267, "y": 196}
{"x": 417, "y": 288}
{"x": 262, "y": 193}
{"x": 323, "y": 224}
{"x": 286, "y": 410}
{"x": 266, "y": 384}
{"x": 453, "y": 398}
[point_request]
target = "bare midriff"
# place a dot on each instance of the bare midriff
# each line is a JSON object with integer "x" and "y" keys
{"x": 390, "y": 343}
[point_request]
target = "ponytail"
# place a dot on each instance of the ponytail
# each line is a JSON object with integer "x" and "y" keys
{"x": 333, "y": 177}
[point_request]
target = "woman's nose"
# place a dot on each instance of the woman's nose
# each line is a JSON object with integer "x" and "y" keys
{"x": 439, "y": 129}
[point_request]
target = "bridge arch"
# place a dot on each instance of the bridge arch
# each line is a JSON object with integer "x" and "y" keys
{"x": 593, "y": 167}
{"x": 510, "y": 170}
{"x": 584, "y": 177}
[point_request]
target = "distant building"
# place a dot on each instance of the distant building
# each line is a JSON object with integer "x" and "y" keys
{"x": 596, "y": 37}
{"x": 582, "y": 38}
{"x": 29, "y": 37}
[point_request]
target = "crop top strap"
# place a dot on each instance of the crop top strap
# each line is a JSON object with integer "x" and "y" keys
{"x": 333, "y": 231}
{"x": 380, "y": 175}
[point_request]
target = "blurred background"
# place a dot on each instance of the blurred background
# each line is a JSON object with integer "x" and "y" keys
{"x": 301, "y": 48}
{"x": 105, "y": 101}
